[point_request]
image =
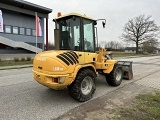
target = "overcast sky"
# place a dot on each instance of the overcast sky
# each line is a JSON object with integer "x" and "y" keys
{"x": 116, "y": 13}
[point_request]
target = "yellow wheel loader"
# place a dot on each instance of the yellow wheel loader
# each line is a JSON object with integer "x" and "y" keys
{"x": 75, "y": 63}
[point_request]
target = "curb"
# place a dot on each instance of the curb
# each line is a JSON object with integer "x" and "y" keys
{"x": 15, "y": 67}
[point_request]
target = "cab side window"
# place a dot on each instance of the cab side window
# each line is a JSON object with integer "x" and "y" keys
{"x": 88, "y": 36}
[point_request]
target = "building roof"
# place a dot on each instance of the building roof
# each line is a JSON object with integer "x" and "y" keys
{"x": 27, "y": 5}
{"x": 75, "y": 14}
{"x": 130, "y": 48}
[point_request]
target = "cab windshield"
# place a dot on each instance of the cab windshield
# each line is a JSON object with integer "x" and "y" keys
{"x": 76, "y": 34}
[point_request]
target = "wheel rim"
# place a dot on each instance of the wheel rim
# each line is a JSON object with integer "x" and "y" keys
{"x": 86, "y": 85}
{"x": 118, "y": 74}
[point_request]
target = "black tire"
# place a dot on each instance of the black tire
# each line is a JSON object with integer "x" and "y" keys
{"x": 79, "y": 89}
{"x": 114, "y": 78}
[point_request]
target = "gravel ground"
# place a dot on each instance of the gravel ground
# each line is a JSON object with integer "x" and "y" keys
{"x": 103, "y": 108}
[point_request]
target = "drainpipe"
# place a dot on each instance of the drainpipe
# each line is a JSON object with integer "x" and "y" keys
{"x": 46, "y": 34}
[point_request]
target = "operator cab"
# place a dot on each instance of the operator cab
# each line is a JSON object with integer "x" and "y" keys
{"x": 75, "y": 32}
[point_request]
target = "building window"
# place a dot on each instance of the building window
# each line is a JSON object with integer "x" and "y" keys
{"x": 39, "y": 45}
{"x": 22, "y": 31}
{"x": 15, "y": 30}
{"x": 7, "y": 29}
{"x": 34, "y": 32}
{"x": 28, "y": 31}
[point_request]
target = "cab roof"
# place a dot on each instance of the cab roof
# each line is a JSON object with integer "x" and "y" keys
{"x": 74, "y": 14}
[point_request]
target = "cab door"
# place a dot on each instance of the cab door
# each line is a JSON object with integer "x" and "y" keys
{"x": 77, "y": 41}
{"x": 89, "y": 41}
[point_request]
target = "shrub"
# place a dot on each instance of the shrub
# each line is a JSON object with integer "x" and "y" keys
{"x": 28, "y": 58}
{"x": 16, "y": 59}
{"x": 22, "y": 59}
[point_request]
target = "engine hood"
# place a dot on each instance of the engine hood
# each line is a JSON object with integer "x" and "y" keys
{"x": 55, "y": 62}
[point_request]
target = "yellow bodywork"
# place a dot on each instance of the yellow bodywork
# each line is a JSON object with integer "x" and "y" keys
{"x": 75, "y": 14}
{"x": 58, "y": 69}
{"x": 51, "y": 65}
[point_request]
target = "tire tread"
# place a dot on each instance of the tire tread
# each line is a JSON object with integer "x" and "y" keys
{"x": 110, "y": 78}
{"x": 74, "y": 88}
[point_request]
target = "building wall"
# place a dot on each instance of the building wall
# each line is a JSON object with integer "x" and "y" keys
{"x": 15, "y": 19}
{"x": 7, "y": 57}
{"x": 14, "y": 51}
{"x": 130, "y": 51}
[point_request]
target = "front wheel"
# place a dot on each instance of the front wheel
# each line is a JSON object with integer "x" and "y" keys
{"x": 115, "y": 77}
{"x": 83, "y": 87}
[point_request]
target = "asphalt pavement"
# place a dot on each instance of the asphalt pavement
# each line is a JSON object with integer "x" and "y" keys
{"x": 22, "y": 98}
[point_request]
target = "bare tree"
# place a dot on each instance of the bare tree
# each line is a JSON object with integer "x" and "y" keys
{"x": 139, "y": 30}
{"x": 113, "y": 45}
{"x": 110, "y": 44}
{"x": 150, "y": 46}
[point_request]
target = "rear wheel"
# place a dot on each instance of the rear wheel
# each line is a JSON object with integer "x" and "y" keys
{"x": 115, "y": 77}
{"x": 83, "y": 87}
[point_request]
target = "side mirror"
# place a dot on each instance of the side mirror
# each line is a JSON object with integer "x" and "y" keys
{"x": 95, "y": 22}
{"x": 103, "y": 23}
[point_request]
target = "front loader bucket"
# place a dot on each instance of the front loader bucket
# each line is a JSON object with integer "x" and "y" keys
{"x": 127, "y": 69}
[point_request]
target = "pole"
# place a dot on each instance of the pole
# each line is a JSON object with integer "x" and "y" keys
{"x": 36, "y": 30}
{"x": 46, "y": 33}
{"x": 36, "y": 44}
{"x": 96, "y": 36}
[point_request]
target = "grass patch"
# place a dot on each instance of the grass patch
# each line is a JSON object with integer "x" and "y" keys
{"x": 123, "y": 54}
{"x": 12, "y": 63}
{"x": 145, "y": 107}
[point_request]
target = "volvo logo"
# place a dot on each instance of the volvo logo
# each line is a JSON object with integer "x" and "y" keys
{"x": 41, "y": 59}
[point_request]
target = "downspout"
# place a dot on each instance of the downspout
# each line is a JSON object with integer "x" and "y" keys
{"x": 46, "y": 34}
